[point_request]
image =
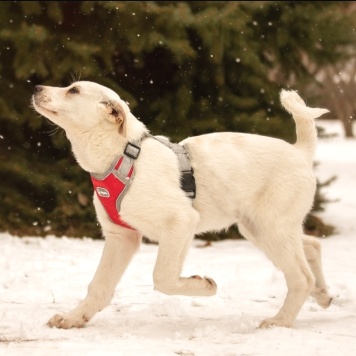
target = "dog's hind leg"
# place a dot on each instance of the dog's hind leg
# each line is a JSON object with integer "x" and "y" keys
{"x": 173, "y": 247}
{"x": 313, "y": 254}
{"x": 118, "y": 250}
{"x": 285, "y": 250}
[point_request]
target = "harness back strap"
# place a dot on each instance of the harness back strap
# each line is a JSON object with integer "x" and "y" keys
{"x": 187, "y": 181}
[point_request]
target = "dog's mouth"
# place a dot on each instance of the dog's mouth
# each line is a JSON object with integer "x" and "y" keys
{"x": 38, "y": 105}
{"x": 50, "y": 111}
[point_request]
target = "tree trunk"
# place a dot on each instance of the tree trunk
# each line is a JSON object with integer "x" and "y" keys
{"x": 348, "y": 129}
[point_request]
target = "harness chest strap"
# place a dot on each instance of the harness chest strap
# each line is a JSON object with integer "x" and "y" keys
{"x": 112, "y": 186}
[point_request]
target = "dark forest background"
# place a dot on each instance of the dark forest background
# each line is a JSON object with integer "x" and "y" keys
{"x": 186, "y": 68}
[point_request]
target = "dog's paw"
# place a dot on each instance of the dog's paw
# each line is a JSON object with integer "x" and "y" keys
{"x": 67, "y": 321}
{"x": 193, "y": 286}
{"x": 325, "y": 302}
{"x": 322, "y": 298}
{"x": 272, "y": 322}
{"x": 204, "y": 286}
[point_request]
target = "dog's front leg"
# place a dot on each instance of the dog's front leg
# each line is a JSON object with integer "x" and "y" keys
{"x": 117, "y": 253}
{"x": 167, "y": 277}
{"x": 173, "y": 248}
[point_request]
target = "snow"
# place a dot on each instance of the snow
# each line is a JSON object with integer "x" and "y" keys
{"x": 40, "y": 277}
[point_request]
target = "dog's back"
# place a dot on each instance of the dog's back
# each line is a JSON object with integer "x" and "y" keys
{"x": 242, "y": 174}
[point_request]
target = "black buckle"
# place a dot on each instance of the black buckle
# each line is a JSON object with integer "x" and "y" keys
{"x": 187, "y": 183}
{"x": 132, "y": 150}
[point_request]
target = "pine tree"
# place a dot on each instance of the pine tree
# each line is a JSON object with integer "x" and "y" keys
{"x": 186, "y": 68}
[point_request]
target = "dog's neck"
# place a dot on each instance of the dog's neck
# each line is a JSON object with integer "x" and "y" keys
{"x": 95, "y": 149}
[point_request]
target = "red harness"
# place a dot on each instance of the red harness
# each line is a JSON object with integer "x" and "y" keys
{"x": 110, "y": 191}
{"x": 112, "y": 185}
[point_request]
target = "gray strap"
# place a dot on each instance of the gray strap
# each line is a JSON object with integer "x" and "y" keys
{"x": 132, "y": 151}
{"x": 187, "y": 176}
{"x": 183, "y": 159}
{"x": 180, "y": 151}
{"x": 123, "y": 171}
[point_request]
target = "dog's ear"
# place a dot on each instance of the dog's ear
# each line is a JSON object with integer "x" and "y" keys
{"x": 115, "y": 114}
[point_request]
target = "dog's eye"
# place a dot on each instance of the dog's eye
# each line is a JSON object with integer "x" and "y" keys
{"x": 114, "y": 112}
{"x": 73, "y": 90}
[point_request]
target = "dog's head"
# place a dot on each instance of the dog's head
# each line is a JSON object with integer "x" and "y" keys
{"x": 82, "y": 106}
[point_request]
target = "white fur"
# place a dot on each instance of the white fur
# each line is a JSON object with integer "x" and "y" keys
{"x": 264, "y": 185}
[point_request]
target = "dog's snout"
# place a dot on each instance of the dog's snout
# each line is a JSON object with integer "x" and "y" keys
{"x": 38, "y": 88}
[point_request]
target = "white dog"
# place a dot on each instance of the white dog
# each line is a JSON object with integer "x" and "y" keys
{"x": 264, "y": 185}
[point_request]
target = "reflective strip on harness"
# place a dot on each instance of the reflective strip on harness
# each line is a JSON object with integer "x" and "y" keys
{"x": 111, "y": 188}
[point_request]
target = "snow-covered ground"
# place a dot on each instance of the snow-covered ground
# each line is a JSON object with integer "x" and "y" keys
{"x": 40, "y": 277}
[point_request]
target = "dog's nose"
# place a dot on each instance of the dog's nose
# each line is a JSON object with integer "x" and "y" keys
{"x": 38, "y": 88}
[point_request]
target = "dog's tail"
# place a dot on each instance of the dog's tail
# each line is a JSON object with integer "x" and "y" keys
{"x": 304, "y": 120}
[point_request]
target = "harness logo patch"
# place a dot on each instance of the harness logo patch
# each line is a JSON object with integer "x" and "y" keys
{"x": 103, "y": 192}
